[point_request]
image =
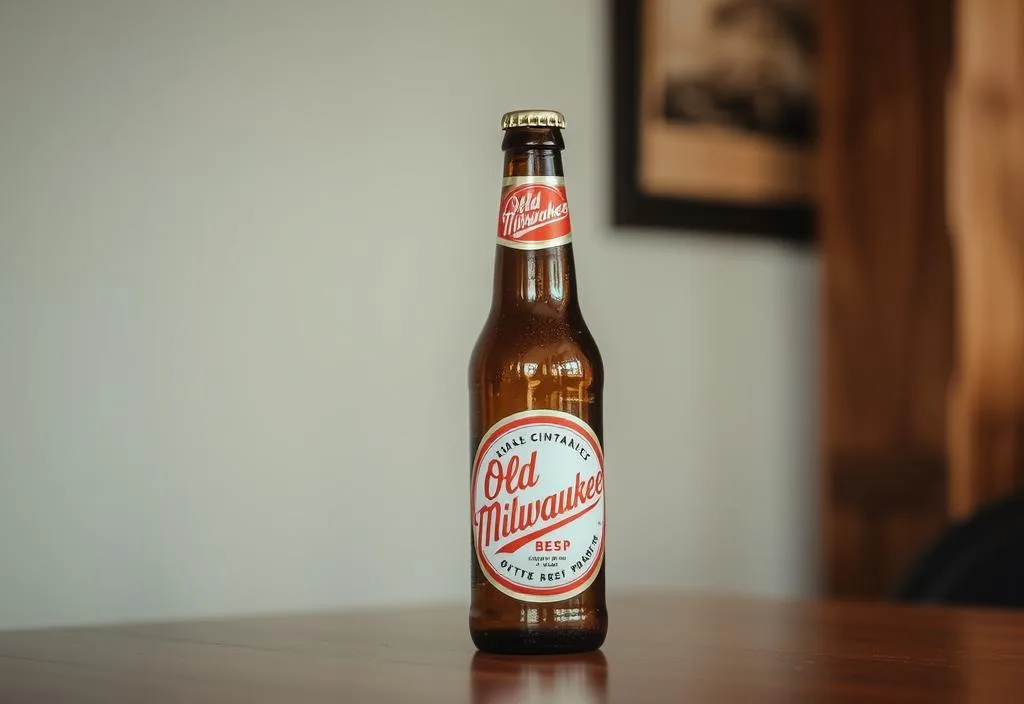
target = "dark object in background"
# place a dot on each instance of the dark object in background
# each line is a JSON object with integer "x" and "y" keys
{"x": 978, "y": 562}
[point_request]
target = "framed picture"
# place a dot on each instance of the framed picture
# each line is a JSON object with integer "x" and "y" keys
{"x": 715, "y": 115}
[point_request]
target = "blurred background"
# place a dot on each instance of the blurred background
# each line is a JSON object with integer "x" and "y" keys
{"x": 246, "y": 247}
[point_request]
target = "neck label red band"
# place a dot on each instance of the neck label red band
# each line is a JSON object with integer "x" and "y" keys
{"x": 533, "y": 213}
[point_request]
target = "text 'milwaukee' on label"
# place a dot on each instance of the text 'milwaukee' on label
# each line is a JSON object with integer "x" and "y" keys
{"x": 538, "y": 506}
{"x": 533, "y": 212}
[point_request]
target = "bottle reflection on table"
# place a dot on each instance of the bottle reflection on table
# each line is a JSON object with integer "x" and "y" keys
{"x": 580, "y": 678}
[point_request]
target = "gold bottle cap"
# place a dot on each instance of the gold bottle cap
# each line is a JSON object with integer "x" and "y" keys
{"x": 533, "y": 118}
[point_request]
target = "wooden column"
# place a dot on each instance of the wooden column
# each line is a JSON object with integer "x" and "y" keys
{"x": 986, "y": 197}
{"x": 886, "y": 287}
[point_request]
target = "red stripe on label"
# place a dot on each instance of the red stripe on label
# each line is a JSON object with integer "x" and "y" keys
{"x": 520, "y": 542}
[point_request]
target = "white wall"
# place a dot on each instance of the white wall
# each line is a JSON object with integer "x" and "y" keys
{"x": 245, "y": 248}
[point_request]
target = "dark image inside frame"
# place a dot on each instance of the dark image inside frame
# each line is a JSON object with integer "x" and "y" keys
{"x": 788, "y": 217}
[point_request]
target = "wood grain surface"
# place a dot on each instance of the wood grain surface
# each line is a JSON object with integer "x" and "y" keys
{"x": 886, "y": 288}
{"x": 986, "y": 147}
{"x": 660, "y": 648}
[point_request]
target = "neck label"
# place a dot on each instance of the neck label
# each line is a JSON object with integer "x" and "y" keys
{"x": 533, "y": 212}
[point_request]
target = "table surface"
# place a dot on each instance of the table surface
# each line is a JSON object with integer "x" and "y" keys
{"x": 660, "y": 648}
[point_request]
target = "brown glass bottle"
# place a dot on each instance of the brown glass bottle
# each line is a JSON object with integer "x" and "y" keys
{"x": 536, "y": 435}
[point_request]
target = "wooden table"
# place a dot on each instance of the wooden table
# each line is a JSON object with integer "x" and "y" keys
{"x": 661, "y": 648}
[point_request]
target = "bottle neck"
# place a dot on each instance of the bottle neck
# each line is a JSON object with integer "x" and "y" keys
{"x": 539, "y": 281}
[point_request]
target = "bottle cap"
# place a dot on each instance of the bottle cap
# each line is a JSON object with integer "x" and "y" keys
{"x": 533, "y": 118}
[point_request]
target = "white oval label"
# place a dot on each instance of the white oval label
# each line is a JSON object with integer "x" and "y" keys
{"x": 538, "y": 506}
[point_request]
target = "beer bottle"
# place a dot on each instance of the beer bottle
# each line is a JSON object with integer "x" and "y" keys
{"x": 535, "y": 387}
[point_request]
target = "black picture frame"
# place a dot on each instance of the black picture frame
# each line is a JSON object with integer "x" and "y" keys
{"x": 789, "y": 222}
